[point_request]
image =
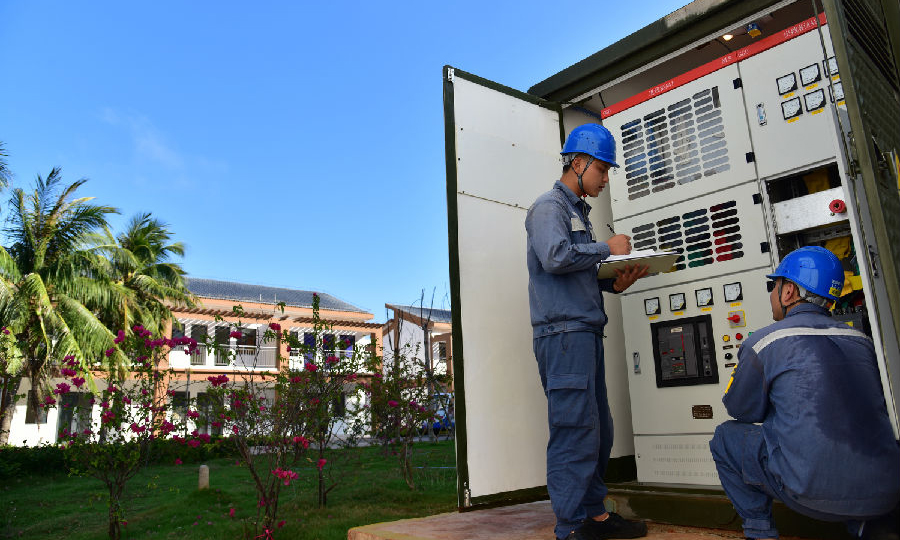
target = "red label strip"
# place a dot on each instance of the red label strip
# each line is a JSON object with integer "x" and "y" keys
{"x": 741, "y": 54}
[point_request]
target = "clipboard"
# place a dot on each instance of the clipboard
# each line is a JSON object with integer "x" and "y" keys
{"x": 658, "y": 261}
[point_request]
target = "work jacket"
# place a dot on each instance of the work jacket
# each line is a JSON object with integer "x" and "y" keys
{"x": 563, "y": 290}
{"x": 814, "y": 384}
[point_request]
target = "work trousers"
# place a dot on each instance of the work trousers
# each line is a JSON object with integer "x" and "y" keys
{"x": 739, "y": 451}
{"x": 581, "y": 427}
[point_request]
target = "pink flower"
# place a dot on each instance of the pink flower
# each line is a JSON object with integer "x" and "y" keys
{"x": 218, "y": 380}
{"x": 178, "y": 461}
{"x": 281, "y": 523}
{"x": 275, "y": 327}
{"x": 48, "y": 401}
{"x": 66, "y": 372}
{"x": 136, "y": 428}
{"x": 193, "y": 443}
{"x": 331, "y": 360}
{"x": 77, "y": 381}
{"x": 309, "y": 366}
{"x": 392, "y": 403}
{"x": 231, "y": 513}
{"x": 62, "y": 388}
{"x": 193, "y": 414}
{"x": 235, "y": 334}
{"x": 321, "y": 463}
{"x": 110, "y": 351}
{"x": 234, "y": 429}
{"x": 120, "y": 337}
{"x": 5, "y": 331}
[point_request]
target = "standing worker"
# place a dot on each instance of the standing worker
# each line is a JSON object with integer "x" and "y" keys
{"x": 825, "y": 447}
{"x": 567, "y": 318}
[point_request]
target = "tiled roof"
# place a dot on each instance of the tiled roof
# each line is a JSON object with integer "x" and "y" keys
{"x": 244, "y": 292}
{"x": 437, "y": 315}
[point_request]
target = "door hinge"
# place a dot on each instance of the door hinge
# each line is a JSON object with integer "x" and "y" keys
{"x": 764, "y": 247}
{"x": 738, "y": 83}
{"x": 750, "y": 156}
{"x": 450, "y": 74}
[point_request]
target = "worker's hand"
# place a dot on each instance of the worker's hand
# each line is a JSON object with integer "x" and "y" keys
{"x": 619, "y": 245}
{"x": 625, "y": 277}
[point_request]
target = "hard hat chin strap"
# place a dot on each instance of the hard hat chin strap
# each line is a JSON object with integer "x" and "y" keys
{"x": 584, "y": 170}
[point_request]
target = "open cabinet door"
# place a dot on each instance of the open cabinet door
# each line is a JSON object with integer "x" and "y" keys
{"x": 502, "y": 149}
{"x": 866, "y": 39}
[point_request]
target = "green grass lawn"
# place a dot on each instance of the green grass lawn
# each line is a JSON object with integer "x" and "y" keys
{"x": 163, "y": 500}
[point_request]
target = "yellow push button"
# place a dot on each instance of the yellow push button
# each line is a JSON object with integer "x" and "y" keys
{"x": 726, "y": 338}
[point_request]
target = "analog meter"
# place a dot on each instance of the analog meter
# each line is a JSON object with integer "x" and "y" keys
{"x": 786, "y": 83}
{"x": 704, "y": 297}
{"x": 676, "y": 301}
{"x": 838, "y": 91}
{"x": 814, "y": 100}
{"x": 810, "y": 74}
{"x": 651, "y": 306}
{"x": 733, "y": 292}
{"x": 791, "y": 108}
{"x": 831, "y": 66}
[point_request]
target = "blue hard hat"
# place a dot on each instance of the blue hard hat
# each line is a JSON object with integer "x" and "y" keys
{"x": 593, "y": 140}
{"x": 815, "y": 269}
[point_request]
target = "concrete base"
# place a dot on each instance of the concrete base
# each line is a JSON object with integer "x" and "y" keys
{"x": 531, "y": 521}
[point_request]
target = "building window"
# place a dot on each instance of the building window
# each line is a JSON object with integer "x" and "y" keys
{"x": 34, "y": 414}
{"x": 177, "y": 330}
{"x": 205, "y": 406}
{"x": 248, "y": 337}
{"x": 309, "y": 341}
{"x": 74, "y": 412}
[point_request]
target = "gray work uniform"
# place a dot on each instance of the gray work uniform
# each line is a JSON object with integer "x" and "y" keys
{"x": 567, "y": 319}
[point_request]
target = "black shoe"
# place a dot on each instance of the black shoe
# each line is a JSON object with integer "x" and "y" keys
{"x": 615, "y": 526}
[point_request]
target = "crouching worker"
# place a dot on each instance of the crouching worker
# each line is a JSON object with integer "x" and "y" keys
{"x": 825, "y": 446}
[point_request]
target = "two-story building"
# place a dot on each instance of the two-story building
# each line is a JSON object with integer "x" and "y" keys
{"x": 214, "y": 320}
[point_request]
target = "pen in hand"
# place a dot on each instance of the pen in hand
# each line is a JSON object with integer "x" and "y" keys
{"x": 608, "y": 226}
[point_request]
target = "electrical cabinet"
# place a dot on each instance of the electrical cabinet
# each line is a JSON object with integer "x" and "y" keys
{"x": 733, "y": 153}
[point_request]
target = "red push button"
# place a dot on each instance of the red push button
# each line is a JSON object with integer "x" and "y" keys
{"x": 739, "y": 336}
{"x": 837, "y": 206}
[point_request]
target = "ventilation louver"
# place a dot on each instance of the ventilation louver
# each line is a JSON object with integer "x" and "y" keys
{"x": 702, "y": 236}
{"x": 675, "y": 145}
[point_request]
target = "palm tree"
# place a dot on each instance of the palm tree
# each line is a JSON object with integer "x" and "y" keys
{"x": 145, "y": 280}
{"x": 4, "y": 169}
{"x": 52, "y": 280}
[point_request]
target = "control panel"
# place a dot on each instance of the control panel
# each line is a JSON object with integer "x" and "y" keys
{"x": 684, "y": 352}
{"x": 681, "y": 345}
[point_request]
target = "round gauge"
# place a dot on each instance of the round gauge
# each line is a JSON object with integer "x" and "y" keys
{"x": 814, "y": 100}
{"x": 651, "y": 306}
{"x": 704, "y": 297}
{"x": 838, "y": 91}
{"x": 786, "y": 83}
{"x": 810, "y": 74}
{"x": 733, "y": 292}
{"x": 832, "y": 66}
{"x": 791, "y": 108}
{"x": 676, "y": 301}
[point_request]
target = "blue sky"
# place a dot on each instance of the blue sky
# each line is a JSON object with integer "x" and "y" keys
{"x": 291, "y": 144}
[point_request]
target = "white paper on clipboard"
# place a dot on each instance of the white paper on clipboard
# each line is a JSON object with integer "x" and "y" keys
{"x": 658, "y": 261}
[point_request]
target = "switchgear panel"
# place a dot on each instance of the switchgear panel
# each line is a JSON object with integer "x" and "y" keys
{"x": 684, "y": 352}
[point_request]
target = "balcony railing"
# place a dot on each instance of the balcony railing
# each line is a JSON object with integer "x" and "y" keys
{"x": 240, "y": 356}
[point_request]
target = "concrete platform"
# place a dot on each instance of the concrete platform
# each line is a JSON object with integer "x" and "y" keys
{"x": 531, "y": 521}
